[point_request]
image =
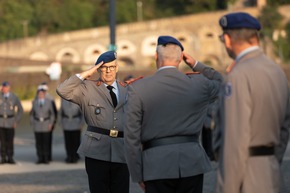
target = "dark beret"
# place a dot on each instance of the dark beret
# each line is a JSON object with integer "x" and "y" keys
{"x": 5, "y": 83}
{"x": 239, "y": 20}
{"x": 106, "y": 57}
{"x": 163, "y": 40}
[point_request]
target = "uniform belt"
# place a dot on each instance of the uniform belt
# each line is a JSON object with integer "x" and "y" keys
{"x": 74, "y": 116}
{"x": 261, "y": 150}
{"x": 169, "y": 141}
{"x": 41, "y": 119}
{"x": 111, "y": 132}
{"x": 6, "y": 116}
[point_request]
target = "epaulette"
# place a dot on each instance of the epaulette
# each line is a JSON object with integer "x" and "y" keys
{"x": 230, "y": 67}
{"x": 133, "y": 80}
{"x": 99, "y": 82}
{"x": 190, "y": 73}
{"x": 123, "y": 84}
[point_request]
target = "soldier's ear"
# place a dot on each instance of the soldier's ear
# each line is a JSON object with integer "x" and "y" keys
{"x": 181, "y": 57}
{"x": 117, "y": 66}
{"x": 228, "y": 40}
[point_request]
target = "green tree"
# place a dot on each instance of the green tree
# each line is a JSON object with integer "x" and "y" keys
{"x": 277, "y": 2}
{"x": 181, "y": 7}
{"x": 33, "y": 17}
{"x": 126, "y": 11}
{"x": 13, "y": 18}
{"x": 75, "y": 14}
{"x": 270, "y": 20}
{"x": 46, "y": 16}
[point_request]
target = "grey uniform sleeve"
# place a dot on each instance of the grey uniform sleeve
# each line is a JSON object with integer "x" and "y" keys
{"x": 69, "y": 89}
{"x": 132, "y": 138}
{"x": 208, "y": 72}
{"x": 215, "y": 91}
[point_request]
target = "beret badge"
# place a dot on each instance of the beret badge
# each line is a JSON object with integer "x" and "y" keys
{"x": 224, "y": 21}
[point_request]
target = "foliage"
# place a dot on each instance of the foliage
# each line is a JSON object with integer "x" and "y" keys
{"x": 283, "y": 44}
{"x": 25, "y": 94}
{"x": 277, "y": 2}
{"x": 270, "y": 20}
{"x": 12, "y": 16}
{"x": 20, "y": 18}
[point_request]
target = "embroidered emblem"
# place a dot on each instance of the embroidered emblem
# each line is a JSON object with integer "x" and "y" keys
{"x": 228, "y": 90}
{"x": 98, "y": 110}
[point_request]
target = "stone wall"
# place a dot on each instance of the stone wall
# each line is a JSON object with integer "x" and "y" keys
{"x": 136, "y": 42}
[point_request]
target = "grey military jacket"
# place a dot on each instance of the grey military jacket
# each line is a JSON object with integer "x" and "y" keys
{"x": 169, "y": 103}
{"x": 41, "y": 117}
{"x": 254, "y": 111}
{"x": 96, "y": 104}
{"x": 71, "y": 116}
{"x": 10, "y": 111}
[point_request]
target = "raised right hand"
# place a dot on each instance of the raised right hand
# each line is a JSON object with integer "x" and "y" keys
{"x": 88, "y": 73}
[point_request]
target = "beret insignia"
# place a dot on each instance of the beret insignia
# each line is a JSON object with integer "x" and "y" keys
{"x": 224, "y": 21}
{"x": 228, "y": 90}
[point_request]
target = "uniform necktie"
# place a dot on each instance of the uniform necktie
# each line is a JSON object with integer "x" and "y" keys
{"x": 41, "y": 102}
{"x": 113, "y": 95}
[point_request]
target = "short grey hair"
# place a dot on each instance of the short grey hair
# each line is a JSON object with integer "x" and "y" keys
{"x": 242, "y": 34}
{"x": 169, "y": 52}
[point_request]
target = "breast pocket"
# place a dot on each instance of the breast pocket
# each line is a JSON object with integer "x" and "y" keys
{"x": 97, "y": 110}
{"x": 91, "y": 142}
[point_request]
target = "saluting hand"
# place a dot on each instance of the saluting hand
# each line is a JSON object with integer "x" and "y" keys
{"x": 88, "y": 73}
{"x": 188, "y": 60}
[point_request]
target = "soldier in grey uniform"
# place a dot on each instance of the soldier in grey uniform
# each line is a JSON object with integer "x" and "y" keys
{"x": 102, "y": 103}
{"x": 43, "y": 86}
{"x": 165, "y": 114}
{"x": 254, "y": 112}
{"x": 10, "y": 115}
{"x": 42, "y": 119}
{"x": 72, "y": 121}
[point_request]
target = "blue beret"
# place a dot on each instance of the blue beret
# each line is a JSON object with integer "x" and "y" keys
{"x": 239, "y": 20}
{"x": 163, "y": 40}
{"x": 5, "y": 83}
{"x": 106, "y": 57}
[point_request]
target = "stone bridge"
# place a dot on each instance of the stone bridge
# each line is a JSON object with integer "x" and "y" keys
{"x": 136, "y": 42}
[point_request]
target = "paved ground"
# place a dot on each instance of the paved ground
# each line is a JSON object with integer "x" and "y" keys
{"x": 59, "y": 177}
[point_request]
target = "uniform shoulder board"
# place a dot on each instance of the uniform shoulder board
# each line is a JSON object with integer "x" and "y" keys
{"x": 98, "y": 82}
{"x": 190, "y": 73}
{"x": 123, "y": 84}
{"x": 133, "y": 80}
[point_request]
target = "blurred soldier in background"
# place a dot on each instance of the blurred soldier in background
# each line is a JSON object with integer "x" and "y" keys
{"x": 72, "y": 122}
{"x": 10, "y": 115}
{"x": 43, "y": 86}
{"x": 42, "y": 119}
